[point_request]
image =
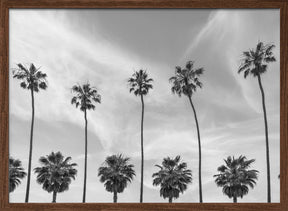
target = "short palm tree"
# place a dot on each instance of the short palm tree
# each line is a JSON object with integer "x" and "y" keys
{"x": 16, "y": 173}
{"x": 140, "y": 85}
{"x": 84, "y": 98}
{"x": 173, "y": 178}
{"x": 186, "y": 81}
{"x": 115, "y": 173}
{"x": 235, "y": 178}
{"x": 255, "y": 62}
{"x": 32, "y": 79}
{"x": 56, "y": 173}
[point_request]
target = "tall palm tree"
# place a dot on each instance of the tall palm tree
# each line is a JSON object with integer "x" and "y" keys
{"x": 255, "y": 62}
{"x": 115, "y": 173}
{"x": 56, "y": 173}
{"x": 235, "y": 178}
{"x": 186, "y": 82}
{"x": 173, "y": 178}
{"x": 85, "y": 97}
{"x": 32, "y": 79}
{"x": 16, "y": 173}
{"x": 140, "y": 85}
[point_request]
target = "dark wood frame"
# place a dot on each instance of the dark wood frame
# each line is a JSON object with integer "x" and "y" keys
{"x": 5, "y": 5}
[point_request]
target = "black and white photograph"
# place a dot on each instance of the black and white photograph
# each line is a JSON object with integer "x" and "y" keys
{"x": 144, "y": 106}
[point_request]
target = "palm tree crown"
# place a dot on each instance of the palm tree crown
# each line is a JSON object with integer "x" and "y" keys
{"x": 31, "y": 78}
{"x": 56, "y": 173}
{"x": 84, "y": 96}
{"x": 255, "y": 61}
{"x": 140, "y": 83}
{"x": 186, "y": 80}
{"x": 173, "y": 177}
{"x": 116, "y": 173}
{"x": 235, "y": 178}
{"x": 16, "y": 173}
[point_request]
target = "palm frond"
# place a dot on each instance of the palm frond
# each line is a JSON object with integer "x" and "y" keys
{"x": 56, "y": 172}
{"x": 173, "y": 177}
{"x": 85, "y": 96}
{"x": 139, "y": 83}
{"x": 16, "y": 173}
{"x": 255, "y": 60}
{"x": 31, "y": 78}
{"x": 116, "y": 173}
{"x": 185, "y": 81}
{"x": 234, "y": 178}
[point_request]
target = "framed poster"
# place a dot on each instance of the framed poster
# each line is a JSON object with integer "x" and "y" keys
{"x": 143, "y": 105}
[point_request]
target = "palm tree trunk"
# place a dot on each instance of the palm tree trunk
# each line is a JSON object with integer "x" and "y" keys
{"x": 142, "y": 151}
{"x": 267, "y": 142}
{"x": 115, "y": 196}
{"x": 234, "y": 199}
{"x": 85, "y": 167}
{"x": 54, "y": 197}
{"x": 170, "y": 199}
{"x": 30, "y": 150}
{"x": 199, "y": 148}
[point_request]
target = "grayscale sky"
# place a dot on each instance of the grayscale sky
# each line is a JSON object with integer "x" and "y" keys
{"x": 105, "y": 47}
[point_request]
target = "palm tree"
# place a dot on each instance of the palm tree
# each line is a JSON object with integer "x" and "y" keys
{"x": 140, "y": 85}
{"x": 85, "y": 97}
{"x": 235, "y": 178}
{"x": 16, "y": 173}
{"x": 255, "y": 62}
{"x": 173, "y": 178}
{"x": 32, "y": 79}
{"x": 56, "y": 173}
{"x": 186, "y": 82}
{"x": 115, "y": 173}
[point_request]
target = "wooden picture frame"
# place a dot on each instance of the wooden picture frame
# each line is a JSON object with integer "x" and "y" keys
{"x": 282, "y": 5}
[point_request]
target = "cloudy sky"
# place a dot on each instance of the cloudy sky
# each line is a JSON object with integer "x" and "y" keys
{"x": 105, "y": 47}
